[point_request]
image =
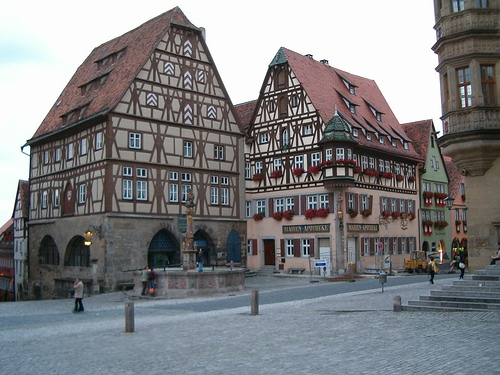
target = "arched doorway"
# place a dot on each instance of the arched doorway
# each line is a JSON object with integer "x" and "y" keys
{"x": 164, "y": 251}
{"x": 202, "y": 241}
{"x": 77, "y": 254}
{"x": 233, "y": 247}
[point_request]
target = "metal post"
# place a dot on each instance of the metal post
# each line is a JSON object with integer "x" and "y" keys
{"x": 397, "y": 303}
{"x": 129, "y": 317}
{"x": 255, "y": 303}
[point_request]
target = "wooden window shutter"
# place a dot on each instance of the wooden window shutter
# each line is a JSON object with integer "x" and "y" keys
{"x": 270, "y": 206}
{"x": 311, "y": 243}
{"x": 372, "y": 246}
{"x": 303, "y": 206}
{"x": 296, "y": 208}
{"x": 331, "y": 202}
{"x": 381, "y": 205}
{"x": 356, "y": 203}
{"x": 282, "y": 246}
{"x": 296, "y": 247}
{"x": 346, "y": 202}
{"x": 370, "y": 202}
{"x": 413, "y": 205}
{"x": 254, "y": 247}
{"x": 391, "y": 245}
{"x": 400, "y": 245}
{"x": 406, "y": 205}
{"x": 362, "y": 242}
{"x": 398, "y": 204}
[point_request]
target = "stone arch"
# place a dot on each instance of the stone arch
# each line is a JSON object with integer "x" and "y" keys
{"x": 48, "y": 253}
{"x": 77, "y": 254}
{"x": 204, "y": 242}
{"x": 233, "y": 247}
{"x": 164, "y": 250}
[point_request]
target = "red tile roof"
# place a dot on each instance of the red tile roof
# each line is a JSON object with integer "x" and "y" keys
{"x": 326, "y": 87}
{"x": 135, "y": 48}
{"x": 420, "y": 132}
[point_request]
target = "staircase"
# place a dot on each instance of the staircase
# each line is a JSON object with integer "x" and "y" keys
{"x": 476, "y": 292}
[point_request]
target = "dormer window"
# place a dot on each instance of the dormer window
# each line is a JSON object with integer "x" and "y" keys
{"x": 352, "y": 90}
{"x": 405, "y": 145}
{"x": 393, "y": 142}
{"x": 381, "y": 139}
{"x": 378, "y": 115}
{"x": 352, "y": 108}
{"x": 355, "y": 132}
{"x": 368, "y": 136}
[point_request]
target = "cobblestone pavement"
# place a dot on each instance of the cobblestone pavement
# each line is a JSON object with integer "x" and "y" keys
{"x": 350, "y": 333}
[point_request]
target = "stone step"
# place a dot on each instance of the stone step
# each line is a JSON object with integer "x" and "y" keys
{"x": 482, "y": 277}
{"x": 462, "y": 293}
{"x": 455, "y": 305}
{"x": 463, "y": 299}
{"x": 476, "y": 283}
{"x": 436, "y": 308}
{"x": 492, "y": 272}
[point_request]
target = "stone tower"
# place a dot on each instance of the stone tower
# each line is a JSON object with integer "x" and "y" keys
{"x": 468, "y": 48}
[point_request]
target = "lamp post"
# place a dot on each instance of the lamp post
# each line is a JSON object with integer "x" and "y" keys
{"x": 449, "y": 202}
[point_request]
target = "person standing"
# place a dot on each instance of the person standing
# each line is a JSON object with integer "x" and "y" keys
{"x": 199, "y": 259}
{"x": 78, "y": 286}
{"x": 144, "y": 280}
{"x": 433, "y": 269}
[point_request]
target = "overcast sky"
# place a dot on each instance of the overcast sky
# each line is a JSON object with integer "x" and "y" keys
{"x": 42, "y": 43}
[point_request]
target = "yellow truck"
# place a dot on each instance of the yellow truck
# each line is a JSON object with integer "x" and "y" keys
{"x": 417, "y": 262}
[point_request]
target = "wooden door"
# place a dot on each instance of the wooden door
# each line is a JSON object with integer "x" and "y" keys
{"x": 269, "y": 253}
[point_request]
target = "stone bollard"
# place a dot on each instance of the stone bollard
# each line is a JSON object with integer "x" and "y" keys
{"x": 397, "y": 304}
{"x": 129, "y": 317}
{"x": 255, "y": 303}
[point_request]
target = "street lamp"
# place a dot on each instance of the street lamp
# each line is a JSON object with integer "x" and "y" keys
{"x": 449, "y": 202}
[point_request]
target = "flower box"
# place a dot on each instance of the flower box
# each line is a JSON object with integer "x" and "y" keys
{"x": 298, "y": 171}
{"x": 259, "y": 216}
{"x": 288, "y": 215}
{"x": 395, "y": 215}
{"x": 314, "y": 169}
{"x": 322, "y": 212}
{"x": 387, "y": 175}
{"x": 352, "y": 212}
{"x": 310, "y": 213}
{"x": 386, "y": 214}
{"x": 412, "y": 178}
{"x": 366, "y": 213}
{"x": 411, "y": 216}
{"x": 440, "y": 224}
{"x": 278, "y": 216}
{"x": 257, "y": 177}
{"x": 370, "y": 172}
{"x": 357, "y": 169}
{"x": 276, "y": 174}
{"x": 399, "y": 178}
{"x": 428, "y": 194}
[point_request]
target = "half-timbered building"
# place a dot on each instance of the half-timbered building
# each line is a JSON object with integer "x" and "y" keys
{"x": 144, "y": 120}
{"x": 20, "y": 218}
{"x": 330, "y": 173}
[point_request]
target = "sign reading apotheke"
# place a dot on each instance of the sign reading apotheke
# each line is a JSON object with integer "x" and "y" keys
{"x": 306, "y": 228}
{"x": 352, "y": 227}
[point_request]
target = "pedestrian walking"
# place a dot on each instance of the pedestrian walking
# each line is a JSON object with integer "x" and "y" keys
{"x": 433, "y": 269}
{"x": 199, "y": 259}
{"x": 144, "y": 280}
{"x": 152, "y": 282}
{"x": 78, "y": 286}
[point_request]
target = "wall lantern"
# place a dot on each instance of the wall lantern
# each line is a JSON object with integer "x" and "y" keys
{"x": 449, "y": 202}
{"x": 89, "y": 234}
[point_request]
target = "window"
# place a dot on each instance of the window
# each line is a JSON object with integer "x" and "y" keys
{"x": 249, "y": 246}
{"x": 289, "y": 247}
{"x": 127, "y": 189}
{"x": 44, "y": 199}
{"x": 278, "y": 204}
{"x": 83, "y": 146}
{"x": 277, "y": 164}
{"x": 263, "y": 138}
{"x": 82, "y": 192}
{"x": 402, "y": 205}
{"x": 248, "y": 208}
{"x": 339, "y": 153}
{"x": 224, "y": 196}
{"x": 355, "y": 133}
{"x": 173, "y": 192}
{"x": 488, "y": 84}
{"x": 214, "y": 195}
{"x": 366, "y": 246}
{"x": 364, "y": 161}
{"x": 56, "y": 198}
{"x": 70, "y": 152}
{"x": 295, "y": 101}
{"x": 307, "y": 129}
{"x": 393, "y": 205}
{"x": 384, "y": 204}
{"x": 98, "y": 141}
{"x": 312, "y": 202}
{"x": 184, "y": 192}
{"x": 403, "y": 245}
{"x": 410, "y": 206}
{"x": 306, "y": 247}
{"x": 45, "y": 157}
{"x": 328, "y": 154}
{"x": 381, "y": 165}
{"x": 412, "y": 244}
{"x": 186, "y": 176}
{"x": 381, "y": 139}
{"x": 127, "y": 171}
{"x": 394, "y": 245}
{"x": 482, "y": 4}
{"x": 405, "y": 145}
{"x": 134, "y": 140}
{"x": 323, "y": 201}
{"x": 458, "y": 5}
{"x": 188, "y": 149}
{"x": 57, "y": 155}
{"x": 372, "y": 163}
{"x": 350, "y": 201}
{"x": 142, "y": 192}
{"x": 299, "y": 161}
{"x": 387, "y": 166}
{"x": 248, "y": 170}
{"x": 48, "y": 252}
{"x": 365, "y": 204}
{"x": 285, "y": 139}
{"x": 261, "y": 206}
{"x": 218, "y": 152}
{"x": 290, "y": 204}
{"x": 214, "y": 180}
{"x": 315, "y": 158}
{"x": 258, "y": 167}
{"x": 464, "y": 87}
{"x": 368, "y": 136}
{"x": 173, "y": 176}
{"x": 142, "y": 173}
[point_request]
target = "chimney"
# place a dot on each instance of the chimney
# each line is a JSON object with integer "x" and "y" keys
{"x": 309, "y": 55}
{"x": 324, "y": 62}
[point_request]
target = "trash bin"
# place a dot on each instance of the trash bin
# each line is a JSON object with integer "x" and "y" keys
{"x": 382, "y": 277}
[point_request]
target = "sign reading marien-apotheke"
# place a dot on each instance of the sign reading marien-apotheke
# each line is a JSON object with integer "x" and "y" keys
{"x": 306, "y": 228}
{"x": 351, "y": 227}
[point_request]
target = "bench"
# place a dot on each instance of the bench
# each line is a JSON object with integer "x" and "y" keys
{"x": 296, "y": 271}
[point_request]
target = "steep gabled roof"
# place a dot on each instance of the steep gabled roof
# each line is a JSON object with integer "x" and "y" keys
{"x": 129, "y": 52}
{"x": 328, "y": 87}
{"x": 420, "y": 133}
{"x": 23, "y": 194}
{"x": 245, "y": 112}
